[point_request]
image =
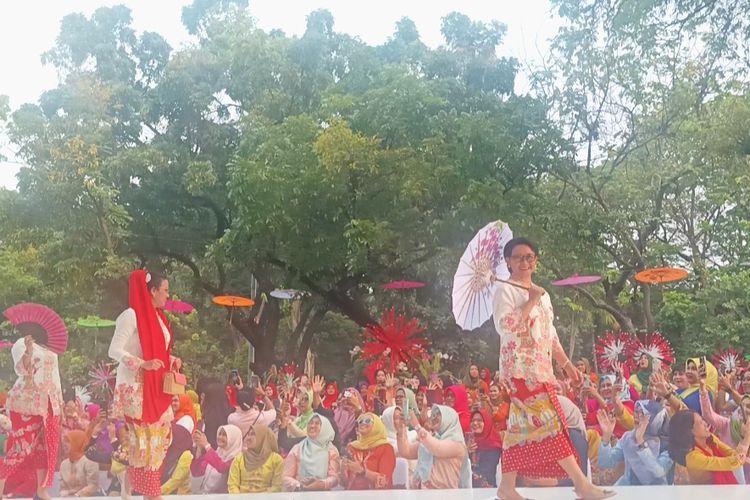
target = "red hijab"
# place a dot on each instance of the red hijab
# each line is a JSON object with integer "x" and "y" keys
{"x": 274, "y": 391}
{"x": 155, "y": 401}
{"x": 329, "y": 399}
{"x": 461, "y": 406}
{"x": 489, "y": 439}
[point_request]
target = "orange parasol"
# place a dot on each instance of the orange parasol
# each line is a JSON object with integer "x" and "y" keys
{"x": 659, "y": 275}
{"x": 233, "y": 301}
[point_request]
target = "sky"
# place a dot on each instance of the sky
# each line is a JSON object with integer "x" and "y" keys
{"x": 28, "y": 28}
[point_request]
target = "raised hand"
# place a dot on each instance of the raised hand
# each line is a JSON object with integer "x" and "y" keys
{"x": 413, "y": 420}
{"x": 607, "y": 423}
{"x": 390, "y": 380}
{"x": 640, "y": 428}
{"x": 319, "y": 383}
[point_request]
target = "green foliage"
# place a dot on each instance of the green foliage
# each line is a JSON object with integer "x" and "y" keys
{"x": 252, "y": 160}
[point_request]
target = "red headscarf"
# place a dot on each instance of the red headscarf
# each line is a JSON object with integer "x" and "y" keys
{"x": 486, "y": 375}
{"x": 151, "y": 336}
{"x": 489, "y": 439}
{"x": 274, "y": 391}
{"x": 461, "y": 406}
{"x": 187, "y": 407}
{"x": 329, "y": 399}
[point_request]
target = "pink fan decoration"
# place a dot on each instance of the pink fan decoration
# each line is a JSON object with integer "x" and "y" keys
{"x": 103, "y": 377}
{"x": 29, "y": 315}
{"x": 396, "y": 340}
{"x": 728, "y": 360}
{"x": 611, "y": 348}
{"x": 653, "y": 345}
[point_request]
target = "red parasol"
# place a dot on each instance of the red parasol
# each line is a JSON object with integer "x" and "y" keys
{"x": 403, "y": 285}
{"x": 28, "y": 317}
{"x": 577, "y": 280}
{"x": 179, "y": 307}
{"x": 659, "y": 275}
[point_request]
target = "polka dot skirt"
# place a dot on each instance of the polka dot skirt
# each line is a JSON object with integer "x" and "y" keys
{"x": 144, "y": 481}
{"x": 540, "y": 459}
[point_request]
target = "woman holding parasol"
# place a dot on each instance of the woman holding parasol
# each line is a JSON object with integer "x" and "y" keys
{"x": 141, "y": 344}
{"x": 536, "y": 443}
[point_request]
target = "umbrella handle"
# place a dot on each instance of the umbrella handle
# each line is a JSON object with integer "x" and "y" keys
{"x": 513, "y": 284}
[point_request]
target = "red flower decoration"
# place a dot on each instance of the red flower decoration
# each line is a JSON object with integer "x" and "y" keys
{"x": 395, "y": 340}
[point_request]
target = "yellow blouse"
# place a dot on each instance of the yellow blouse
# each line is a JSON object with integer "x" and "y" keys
{"x": 179, "y": 483}
{"x": 265, "y": 479}
{"x": 700, "y": 466}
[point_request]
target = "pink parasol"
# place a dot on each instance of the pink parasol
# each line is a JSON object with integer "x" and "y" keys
{"x": 577, "y": 280}
{"x": 403, "y": 285}
{"x": 179, "y": 307}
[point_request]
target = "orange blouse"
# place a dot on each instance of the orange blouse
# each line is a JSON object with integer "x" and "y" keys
{"x": 381, "y": 460}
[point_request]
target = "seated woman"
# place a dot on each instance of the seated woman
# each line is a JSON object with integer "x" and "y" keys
{"x": 729, "y": 429}
{"x": 442, "y": 459}
{"x": 313, "y": 464}
{"x": 643, "y": 450}
{"x": 175, "y": 476}
{"x": 707, "y": 459}
{"x": 349, "y": 407}
{"x": 393, "y": 419}
{"x": 485, "y": 447}
{"x": 372, "y": 458}
{"x": 247, "y": 413}
{"x": 79, "y": 476}
{"x": 457, "y": 398}
{"x": 610, "y": 398}
{"x": 690, "y": 396}
{"x": 213, "y": 465}
{"x": 259, "y": 468}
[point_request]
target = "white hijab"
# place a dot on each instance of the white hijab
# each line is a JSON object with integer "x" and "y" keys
{"x": 213, "y": 480}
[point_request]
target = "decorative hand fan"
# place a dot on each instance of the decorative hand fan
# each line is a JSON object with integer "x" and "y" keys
{"x": 728, "y": 360}
{"x": 611, "y": 348}
{"x": 41, "y": 322}
{"x": 653, "y": 345}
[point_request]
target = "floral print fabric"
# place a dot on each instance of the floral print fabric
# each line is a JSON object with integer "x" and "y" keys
{"x": 525, "y": 349}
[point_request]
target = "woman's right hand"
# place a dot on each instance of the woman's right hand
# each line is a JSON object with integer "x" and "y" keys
{"x": 28, "y": 341}
{"x": 152, "y": 364}
{"x": 536, "y": 292}
{"x": 607, "y": 423}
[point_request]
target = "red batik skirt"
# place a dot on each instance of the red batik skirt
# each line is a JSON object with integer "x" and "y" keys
{"x": 536, "y": 437}
{"x": 32, "y": 445}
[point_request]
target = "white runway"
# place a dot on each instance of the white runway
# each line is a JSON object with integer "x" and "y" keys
{"x": 624, "y": 493}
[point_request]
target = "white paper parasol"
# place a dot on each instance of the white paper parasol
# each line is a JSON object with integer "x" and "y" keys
{"x": 481, "y": 268}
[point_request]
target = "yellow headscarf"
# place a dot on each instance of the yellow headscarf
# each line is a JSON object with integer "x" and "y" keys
{"x": 196, "y": 404}
{"x": 712, "y": 378}
{"x": 376, "y": 437}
